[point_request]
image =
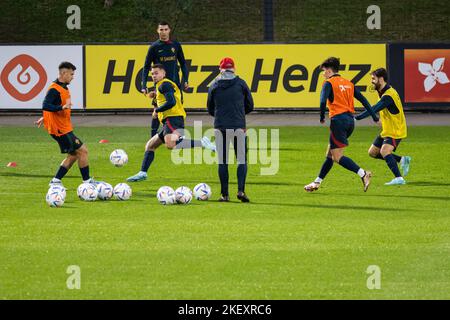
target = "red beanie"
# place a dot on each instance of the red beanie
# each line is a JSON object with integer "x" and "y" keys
{"x": 226, "y": 63}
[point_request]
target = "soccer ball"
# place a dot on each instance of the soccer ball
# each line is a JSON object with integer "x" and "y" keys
{"x": 105, "y": 190}
{"x": 183, "y": 195}
{"x": 118, "y": 157}
{"x": 166, "y": 195}
{"x": 202, "y": 192}
{"x": 122, "y": 191}
{"x": 57, "y": 188}
{"x": 87, "y": 192}
{"x": 56, "y": 196}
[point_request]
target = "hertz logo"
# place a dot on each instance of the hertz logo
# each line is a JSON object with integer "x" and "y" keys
{"x": 296, "y": 77}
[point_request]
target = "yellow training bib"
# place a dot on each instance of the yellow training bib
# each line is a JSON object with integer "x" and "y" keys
{"x": 393, "y": 125}
{"x": 177, "y": 109}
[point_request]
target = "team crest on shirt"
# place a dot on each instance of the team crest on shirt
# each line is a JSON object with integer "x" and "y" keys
{"x": 173, "y": 49}
{"x": 77, "y": 141}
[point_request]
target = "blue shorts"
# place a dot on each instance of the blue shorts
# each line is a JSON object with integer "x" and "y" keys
{"x": 379, "y": 141}
{"x": 341, "y": 128}
{"x": 172, "y": 125}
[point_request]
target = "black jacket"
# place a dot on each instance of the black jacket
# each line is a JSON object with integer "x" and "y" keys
{"x": 229, "y": 100}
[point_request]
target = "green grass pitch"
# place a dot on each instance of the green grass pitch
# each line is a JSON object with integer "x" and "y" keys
{"x": 286, "y": 244}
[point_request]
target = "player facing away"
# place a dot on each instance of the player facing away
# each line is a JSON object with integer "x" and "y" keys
{"x": 339, "y": 94}
{"x": 171, "y": 114}
{"x": 229, "y": 101}
{"x": 393, "y": 127}
{"x": 168, "y": 53}
{"x": 56, "y": 117}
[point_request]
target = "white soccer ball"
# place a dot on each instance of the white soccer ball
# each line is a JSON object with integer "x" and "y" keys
{"x": 87, "y": 192}
{"x": 166, "y": 195}
{"x": 56, "y": 196}
{"x": 118, "y": 157}
{"x": 57, "y": 188}
{"x": 105, "y": 190}
{"x": 122, "y": 191}
{"x": 202, "y": 192}
{"x": 183, "y": 195}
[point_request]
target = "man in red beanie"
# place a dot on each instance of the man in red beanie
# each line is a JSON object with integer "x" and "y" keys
{"x": 229, "y": 100}
{"x": 226, "y": 64}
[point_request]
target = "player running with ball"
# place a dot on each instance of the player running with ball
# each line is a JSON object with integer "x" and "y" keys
{"x": 57, "y": 109}
{"x": 171, "y": 114}
{"x": 339, "y": 93}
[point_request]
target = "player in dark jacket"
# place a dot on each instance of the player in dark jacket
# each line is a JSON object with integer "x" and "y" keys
{"x": 229, "y": 100}
{"x": 168, "y": 53}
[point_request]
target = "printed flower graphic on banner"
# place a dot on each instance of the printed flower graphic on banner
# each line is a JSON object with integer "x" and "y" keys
{"x": 433, "y": 73}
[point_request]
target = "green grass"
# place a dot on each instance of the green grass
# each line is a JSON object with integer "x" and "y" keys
{"x": 403, "y": 20}
{"x": 224, "y": 21}
{"x": 286, "y": 244}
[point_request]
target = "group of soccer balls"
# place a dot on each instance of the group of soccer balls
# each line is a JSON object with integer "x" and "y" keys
{"x": 183, "y": 195}
{"x": 101, "y": 190}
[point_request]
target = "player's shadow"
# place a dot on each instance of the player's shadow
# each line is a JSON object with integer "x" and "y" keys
{"x": 66, "y": 207}
{"x": 429, "y": 184}
{"x": 185, "y": 181}
{"x": 27, "y": 175}
{"x": 145, "y": 194}
{"x": 328, "y": 206}
{"x": 273, "y": 183}
{"x": 408, "y": 197}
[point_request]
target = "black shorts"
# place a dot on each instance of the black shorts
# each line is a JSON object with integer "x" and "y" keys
{"x": 379, "y": 141}
{"x": 341, "y": 128}
{"x": 68, "y": 143}
{"x": 172, "y": 125}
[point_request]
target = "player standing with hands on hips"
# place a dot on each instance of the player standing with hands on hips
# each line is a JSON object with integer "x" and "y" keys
{"x": 229, "y": 100}
{"x": 168, "y": 53}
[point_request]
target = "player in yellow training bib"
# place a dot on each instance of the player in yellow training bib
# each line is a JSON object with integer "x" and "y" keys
{"x": 171, "y": 114}
{"x": 393, "y": 124}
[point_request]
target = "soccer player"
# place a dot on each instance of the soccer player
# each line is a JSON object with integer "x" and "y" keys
{"x": 168, "y": 53}
{"x": 393, "y": 124}
{"x": 56, "y": 118}
{"x": 171, "y": 114}
{"x": 339, "y": 94}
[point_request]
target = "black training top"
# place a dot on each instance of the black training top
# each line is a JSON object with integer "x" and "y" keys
{"x": 169, "y": 54}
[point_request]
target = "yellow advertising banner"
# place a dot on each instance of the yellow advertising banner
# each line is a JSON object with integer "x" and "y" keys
{"x": 279, "y": 75}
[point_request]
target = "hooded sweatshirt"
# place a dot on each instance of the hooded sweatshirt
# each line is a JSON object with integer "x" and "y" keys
{"x": 229, "y": 100}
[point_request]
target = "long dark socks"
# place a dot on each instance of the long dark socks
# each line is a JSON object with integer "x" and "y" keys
{"x": 392, "y": 164}
{"x": 326, "y": 167}
{"x": 223, "y": 175}
{"x": 147, "y": 161}
{"x": 61, "y": 172}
